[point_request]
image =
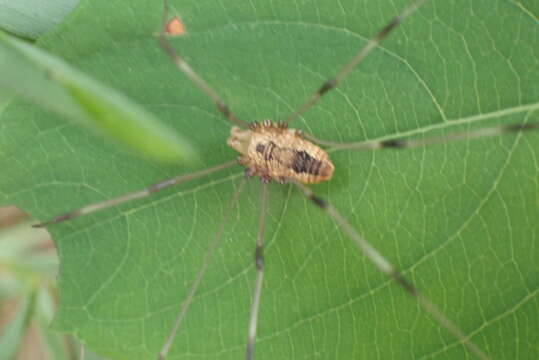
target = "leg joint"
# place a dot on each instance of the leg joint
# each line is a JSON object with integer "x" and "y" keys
{"x": 387, "y": 29}
{"x": 521, "y": 127}
{"x": 394, "y": 143}
{"x": 406, "y": 285}
{"x": 259, "y": 258}
{"x": 328, "y": 85}
{"x": 318, "y": 201}
{"x": 223, "y": 108}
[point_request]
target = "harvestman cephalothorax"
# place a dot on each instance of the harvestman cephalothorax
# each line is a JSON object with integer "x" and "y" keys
{"x": 272, "y": 151}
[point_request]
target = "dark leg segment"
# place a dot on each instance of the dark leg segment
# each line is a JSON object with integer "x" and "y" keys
{"x": 385, "y": 266}
{"x": 259, "y": 261}
{"x": 207, "y": 259}
{"x": 134, "y": 195}
{"x": 191, "y": 74}
{"x": 363, "y": 52}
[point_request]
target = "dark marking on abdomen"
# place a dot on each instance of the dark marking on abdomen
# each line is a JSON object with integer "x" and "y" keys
{"x": 305, "y": 163}
{"x": 260, "y": 148}
{"x": 266, "y": 150}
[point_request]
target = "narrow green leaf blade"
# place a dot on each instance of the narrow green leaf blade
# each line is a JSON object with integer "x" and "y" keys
{"x": 15, "y": 331}
{"x": 52, "y": 83}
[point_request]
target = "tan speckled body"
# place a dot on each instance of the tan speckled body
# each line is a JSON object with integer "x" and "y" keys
{"x": 274, "y": 152}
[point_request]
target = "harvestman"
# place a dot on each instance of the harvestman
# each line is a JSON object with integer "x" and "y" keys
{"x": 273, "y": 152}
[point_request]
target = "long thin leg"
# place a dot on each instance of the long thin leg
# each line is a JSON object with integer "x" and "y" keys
{"x": 134, "y": 195}
{"x": 363, "y": 52}
{"x": 385, "y": 266}
{"x": 259, "y": 261}
{"x": 201, "y": 272}
{"x": 191, "y": 74}
{"x": 405, "y": 144}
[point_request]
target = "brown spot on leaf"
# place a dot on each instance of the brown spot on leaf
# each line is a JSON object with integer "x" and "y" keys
{"x": 175, "y": 27}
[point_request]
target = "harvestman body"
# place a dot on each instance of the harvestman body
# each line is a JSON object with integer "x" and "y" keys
{"x": 273, "y": 152}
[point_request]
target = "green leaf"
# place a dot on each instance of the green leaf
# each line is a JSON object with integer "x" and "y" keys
{"x": 53, "y": 84}
{"x": 5, "y": 98}
{"x": 459, "y": 219}
{"x": 30, "y": 18}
